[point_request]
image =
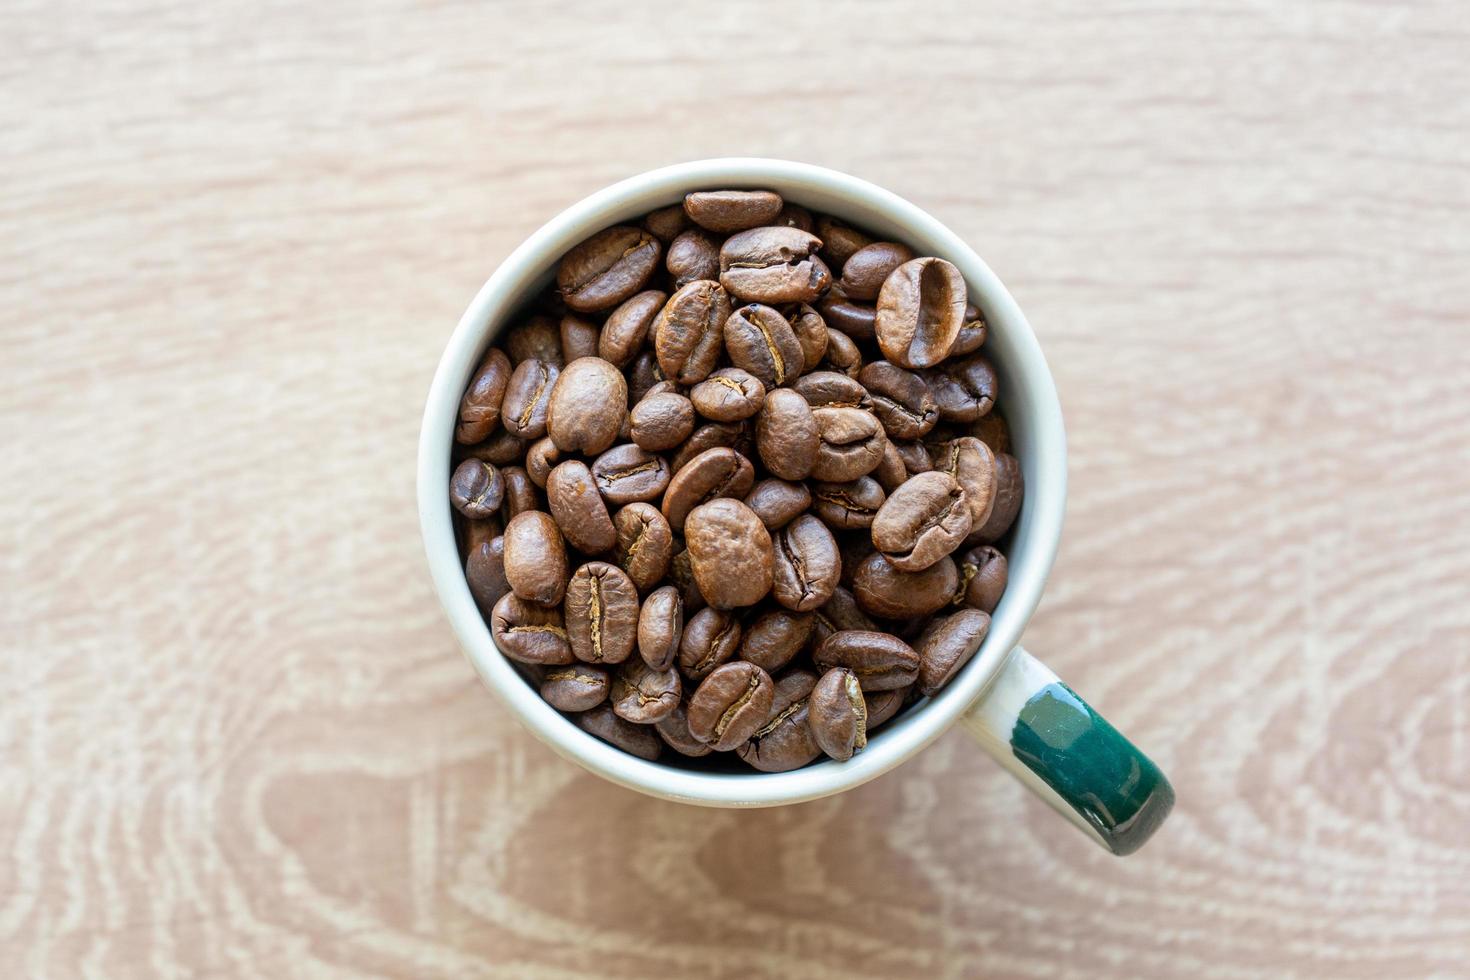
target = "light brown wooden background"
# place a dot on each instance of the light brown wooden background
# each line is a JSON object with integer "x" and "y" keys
{"x": 237, "y": 737}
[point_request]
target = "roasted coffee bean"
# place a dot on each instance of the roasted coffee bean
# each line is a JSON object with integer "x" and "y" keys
{"x": 529, "y": 633}
{"x": 690, "y": 333}
{"x": 666, "y": 223}
{"x": 839, "y": 241}
{"x": 579, "y": 509}
{"x": 947, "y": 645}
{"x": 881, "y": 661}
{"x": 587, "y": 406}
{"x": 601, "y": 612}
{"x": 783, "y": 743}
{"x": 778, "y": 502}
{"x": 642, "y": 376}
{"x": 638, "y": 740}
{"x": 806, "y": 564}
{"x": 661, "y": 627}
{"x": 541, "y": 459}
{"x": 972, "y": 334}
{"x": 476, "y": 489}
{"x": 479, "y": 410}
{"x": 840, "y": 613}
{"x": 673, "y": 728}
{"x": 922, "y": 521}
{"x": 713, "y": 473}
{"x": 661, "y": 421}
{"x": 728, "y": 395}
{"x": 579, "y": 337}
{"x": 865, "y": 270}
{"x": 627, "y": 327}
{"x": 887, "y": 592}
{"x": 964, "y": 390}
{"x": 891, "y": 471}
{"x": 854, "y": 547}
{"x": 607, "y": 268}
{"x": 730, "y": 705}
{"x": 842, "y": 354}
{"x": 850, "y": 444}
{"x": 760, "y": 341}
{"x": 856, "y": 320}
{"x": 539, "y": 338}
{"x": 693, "y": 255}
{"x": 714, "y": 435}
{"x": 811, "y": 333}
{"x": 535, "y": 558}
{"x": 786, "y": 435}
{"x": 523, "y": 412}
{"x": 773, "y": 265}
{"x": 711, "y": 638}
{"x": 520, "y": 492}
{"x": 626, "y": 474}
{"x": 992, "y": 430}
{"x": 643, "y": 695}
{"x": 730, "y": 551}
{"x": 775, "y": 637}
{"x": 575, "y": 687}
{"x": 727, "y": 211}
{"x": 502, "y": 449}
{"x": 972, "y": 464}
{"x": 915, "y": 457}
{"x": 883, "y": 705}
{"x": 791, "y": 687}
{"x": 921, "y": 308}
{"x": 472, "y": 533}
{"x": 848, "y": 506}
{"x": 1008, "y": 494}
{"x": 901, "y": 400}
{"x": 484, "y": 572}
{"x": 681, "y": 575}
{"x": 829, "y": 389}
{"x": 983, "y": 575}
{"x": 838, "y": 715}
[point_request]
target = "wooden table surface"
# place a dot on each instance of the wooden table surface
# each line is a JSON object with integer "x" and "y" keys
{"x": 237, "y": 736}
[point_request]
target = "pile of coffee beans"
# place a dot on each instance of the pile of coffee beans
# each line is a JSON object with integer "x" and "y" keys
{"x": 735, "y": 483}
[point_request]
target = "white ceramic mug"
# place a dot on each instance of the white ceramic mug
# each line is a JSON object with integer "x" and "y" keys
{"x": 1013, "y": 705}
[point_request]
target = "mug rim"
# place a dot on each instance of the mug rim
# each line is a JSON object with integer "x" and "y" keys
{"x": 1038, "y": 527}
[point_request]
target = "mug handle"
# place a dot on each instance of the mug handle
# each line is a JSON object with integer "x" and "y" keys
{"x": 1067, "y": 754}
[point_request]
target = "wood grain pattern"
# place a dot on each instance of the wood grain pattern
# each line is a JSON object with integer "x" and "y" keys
{"x": 238, "y": 739}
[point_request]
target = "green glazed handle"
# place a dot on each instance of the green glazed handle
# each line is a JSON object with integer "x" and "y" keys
{"x": 1068, "y": 754}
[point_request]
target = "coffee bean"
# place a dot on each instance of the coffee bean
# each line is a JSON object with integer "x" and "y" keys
{"x": 890, "y": 593}
{"x": 806, "y": 564}
{"x": 643, "y": 695}
{"x": 638, "y": 740}
{"x": 854, "y": 547}
{"x": 915, "y": 457}
{"x": 693, "y": 255}
{"x": 778, "y": 502}
{"x": 883, "y": 705}
{"x": 607, "y": 268}
{"x": 791, "y": 687}
{"x": 842, "y": 354}
{"x": 579, "y": 337}
{"x": 783, "y": 743}
{"x": 715, "y": 435}
{"x": 891, "y": 471}
{"x": 476, "y": 489}
{"x": 535, "y": 558}
{"x": 673, "y": 728}
{"x": 880, "y": 660}
{"x": 601, "y": 612}
{"x": 786, "y": 435}
{"x": 523, "y": 412}
{"x": 983, "y": 575}
{"x": 713, "y": 473}
{"x": 690, "y": 333}
{"x": 479, "y": 410}
{"x": 541, "y": 459}
{"x": 838, "y": 715}
{"x": 972, "y": 334}
{"x": 627, "y": 327}
{"x": 840, "y": 613}
{"x": 681, "y": 575}
{"x": 947, "y": 645}
{"x": 501, "y": 449}
{"x": 773, "y": 265}
{"x": 484, "y": 572}
{"x": 848, "y": 506}
{"x": 645, "y": 544}
{"x": 828, "y": 389}
{"x": 661, "y": 421}
{"x": 964, "y": 390}
{"x": 992, "y": 430}
{"x": 775, "y": 637}
{"x": 642, "y": 376}
{"x": 520, "y": 492}
{"x": 665, "y": 224}
{"x": 580, "y": 511}
{"x": 730, "y": 551}
{"x": 839, "y": 241}
{"x": 811, "y": 333}
{"x": 1008, "y": 494}
{"x": 711, "y": 638}
{"x": 539, "y": 338}
{"x": 759, "y": 340}
{"x": 529, "y": 633}
{"x": 794, "y": 216}
{"x": 850, "y": 444}
{"x": 575, "y": 687}
{"x": 972, "y": 464}
{"x": 922, "y": 521}
{"x": 727, "y": 211}
{"x": 866, "y": 269}
{"x": 730, "y": 705}
{"x": 661, "y": 627}
{"x": 856, "y": 320}
{"x": 587, "y": 406}
{"x": 728, "y": 395}
{"x": 626, "y": 474}
{"x": 901, "y": 400}
{"x": 920, "y": 310}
